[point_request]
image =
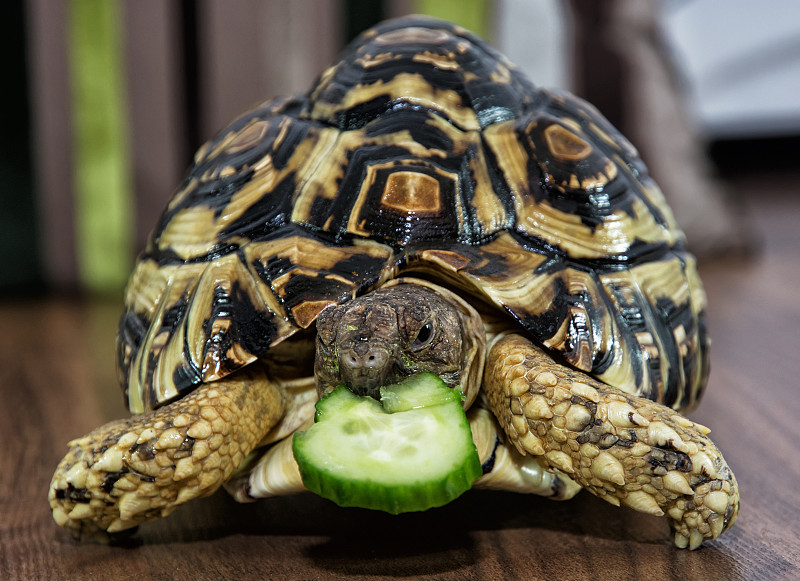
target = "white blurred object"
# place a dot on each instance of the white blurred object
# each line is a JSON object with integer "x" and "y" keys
{"x": 535, "y": 36}
{"x": 742, "y": 63}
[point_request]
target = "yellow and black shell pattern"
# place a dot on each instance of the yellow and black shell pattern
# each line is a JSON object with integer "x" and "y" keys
{"x": 422, "y": 150}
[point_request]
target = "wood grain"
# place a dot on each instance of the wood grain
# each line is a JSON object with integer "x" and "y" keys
{"x": 57, "y": 381}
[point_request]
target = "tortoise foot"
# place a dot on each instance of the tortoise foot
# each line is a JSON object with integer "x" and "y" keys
{"x": 140, "y": 468}
{"x": 625, "y": 449}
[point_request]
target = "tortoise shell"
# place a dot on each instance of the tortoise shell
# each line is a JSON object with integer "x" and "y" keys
{"x": 423, "y": 149}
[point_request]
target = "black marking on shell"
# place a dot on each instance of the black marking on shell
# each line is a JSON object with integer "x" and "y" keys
{"x": 168, "y": 257}
{"x": 274, "y": 267}
{"x": 337, "y": 211}
{"x": 361, "y": 268}
{"x": 253, "y": 328}
{"x": 216, "y": 195}
{"x": 266, "y": 215}
{"x": 132, "y": 328}
{"x": 632, "y": 313}
{"x": 416, "y": 123}
{"x": 568, "y": 306}
{"x": 250, "y": 327}
{"x": 699, "y": 359}
{"x": 410, "y": 227}
{"x": 302, "y": 288}
{"x": 670, "y": 316}
{"x": 637, "y": 252}
{"x": 187, "y": 376}
{"x": 174, "y": 315}
{"x": 295, "y": 133}
{"x": 366, "y": 112}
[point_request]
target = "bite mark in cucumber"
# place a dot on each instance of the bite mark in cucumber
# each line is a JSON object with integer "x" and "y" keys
{"x": 410, "y": 452}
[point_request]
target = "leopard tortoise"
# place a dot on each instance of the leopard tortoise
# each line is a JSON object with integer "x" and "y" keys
{"x": 423, "y": 206}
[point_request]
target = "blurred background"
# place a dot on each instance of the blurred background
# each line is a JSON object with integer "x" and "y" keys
{"x": 105, "y": 101}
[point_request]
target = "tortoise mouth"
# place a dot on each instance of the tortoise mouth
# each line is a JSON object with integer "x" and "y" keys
{"x": 366, "y": 365}
{"x": 365, "y": 385}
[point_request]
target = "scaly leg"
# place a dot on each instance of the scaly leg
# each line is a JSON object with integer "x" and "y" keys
{"x": 622, "y": 448}
{"x": 141, "y": 468}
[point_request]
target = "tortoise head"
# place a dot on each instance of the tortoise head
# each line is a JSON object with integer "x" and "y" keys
{"x": 403, "y": 328}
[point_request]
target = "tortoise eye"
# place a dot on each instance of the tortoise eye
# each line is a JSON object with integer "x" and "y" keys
{"x": 424, "y": 336}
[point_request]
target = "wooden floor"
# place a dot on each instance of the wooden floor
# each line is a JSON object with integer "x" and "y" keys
{"x": 57, "y": 381}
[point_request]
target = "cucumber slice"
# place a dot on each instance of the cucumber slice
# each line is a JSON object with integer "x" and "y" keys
{"x": 412, "y": 452}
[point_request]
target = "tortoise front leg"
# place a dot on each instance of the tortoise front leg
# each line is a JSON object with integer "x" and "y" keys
{"x": 141, "y": 468}
{"x": 622, "y": 448}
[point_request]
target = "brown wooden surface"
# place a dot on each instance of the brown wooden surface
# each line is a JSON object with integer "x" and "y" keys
{"x": 57, "y": 381}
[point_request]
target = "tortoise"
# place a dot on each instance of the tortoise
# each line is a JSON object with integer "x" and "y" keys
{"x": 423, "y": 206}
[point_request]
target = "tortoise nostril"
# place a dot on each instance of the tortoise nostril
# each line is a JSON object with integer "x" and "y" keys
{"x": 365, "y": 357}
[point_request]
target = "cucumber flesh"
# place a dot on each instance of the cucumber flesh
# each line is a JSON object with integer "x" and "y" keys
{"x": 411, "y": 452}
{"x": 422, "y": 390}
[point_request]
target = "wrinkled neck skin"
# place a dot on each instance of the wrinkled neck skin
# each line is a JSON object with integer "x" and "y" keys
{"x": 401, "y": 329}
